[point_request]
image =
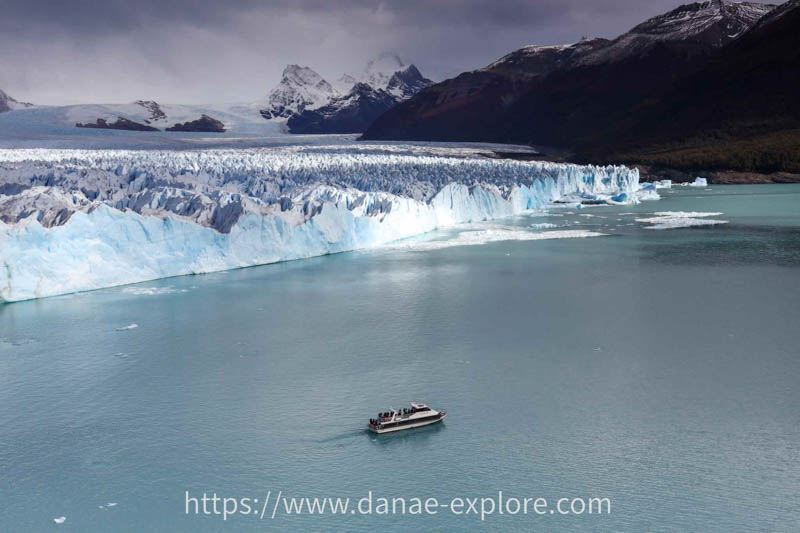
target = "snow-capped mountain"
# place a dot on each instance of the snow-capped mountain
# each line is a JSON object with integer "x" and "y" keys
{"x": 9, "y": 104}
{"x": 380, "y": 70}
{"x": 300, "y": 88}
{"x": 406, "y": 83}
{"x": 357, "y": 102}
{"x": 310, "y": 104}
{"x": 389, "y": 73}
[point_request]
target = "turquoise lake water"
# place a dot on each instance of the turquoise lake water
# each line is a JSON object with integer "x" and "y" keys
{"x": 657, "y": 368}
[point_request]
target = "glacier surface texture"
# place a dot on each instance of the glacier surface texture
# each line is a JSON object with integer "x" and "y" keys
{"x": 76, "y": 220}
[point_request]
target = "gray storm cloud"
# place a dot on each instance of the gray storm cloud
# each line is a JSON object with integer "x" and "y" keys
{"x": 190, "y": 51}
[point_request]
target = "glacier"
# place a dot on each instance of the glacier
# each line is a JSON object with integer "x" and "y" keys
{"x": 77, "y": 220}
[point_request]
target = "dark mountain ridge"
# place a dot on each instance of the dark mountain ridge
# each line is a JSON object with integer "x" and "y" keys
{"x": 670, "y": 78}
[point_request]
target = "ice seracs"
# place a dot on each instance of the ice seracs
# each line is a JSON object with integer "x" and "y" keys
{"x": 75, "y": 220}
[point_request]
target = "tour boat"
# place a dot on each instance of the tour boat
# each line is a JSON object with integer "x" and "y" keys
{"x": 416, "y": 416}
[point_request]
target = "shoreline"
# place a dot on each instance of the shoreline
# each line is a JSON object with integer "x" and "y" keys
{"x": 650, "y": 173}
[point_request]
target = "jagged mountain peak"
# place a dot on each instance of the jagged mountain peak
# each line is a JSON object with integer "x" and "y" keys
{"x": 378, "y": 72}
{"x": 300, "y": 88}
{"x": 303, "y": 76}
{"x": 407, "y": 82}
{"x": 315, "y": 105}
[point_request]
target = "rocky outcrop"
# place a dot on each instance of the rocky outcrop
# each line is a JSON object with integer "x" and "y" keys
{"x": 156, "y": 113}
{"x": 120, "y": 124}
{"x": 9, "y": 104}
{"x": 203, "y": 124}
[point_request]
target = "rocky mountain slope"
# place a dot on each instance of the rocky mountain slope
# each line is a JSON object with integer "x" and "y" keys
{"x": 740, "y": 111}
{"x": 609, "y": 99}
{"x": 9, "y": 104}
{"x": 351, "y": 113}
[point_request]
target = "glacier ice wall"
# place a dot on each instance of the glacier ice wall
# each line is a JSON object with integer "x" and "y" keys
{"x": 80, "y": 220}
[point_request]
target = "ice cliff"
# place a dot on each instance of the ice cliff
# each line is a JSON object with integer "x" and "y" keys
{"x": 75, "y": 220}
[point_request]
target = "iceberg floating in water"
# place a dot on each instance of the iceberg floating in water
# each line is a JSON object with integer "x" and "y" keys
{"x": 680, "y": 219}
{"x": 80, "y": 219}
{"x": 698, "y": 182}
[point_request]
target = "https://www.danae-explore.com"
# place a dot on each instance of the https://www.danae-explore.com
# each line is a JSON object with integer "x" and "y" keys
{"x": 275, "y": 504}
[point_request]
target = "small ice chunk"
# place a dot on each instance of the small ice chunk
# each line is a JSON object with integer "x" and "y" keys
{"x": 60, "y": 519}
{"x": 151, "y": 291}
{"x": 698, "y": 182}
{"x": 129, "y": 326}
{"x": 680, "y": 219}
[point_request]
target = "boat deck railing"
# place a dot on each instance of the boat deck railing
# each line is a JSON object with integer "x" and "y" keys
{"x": 403, "y": 416}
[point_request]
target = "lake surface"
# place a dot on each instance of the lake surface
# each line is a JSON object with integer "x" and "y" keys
{"x": 657, "y": 368}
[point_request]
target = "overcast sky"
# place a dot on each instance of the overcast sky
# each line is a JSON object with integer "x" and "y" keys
{"x": 204, "y": 51}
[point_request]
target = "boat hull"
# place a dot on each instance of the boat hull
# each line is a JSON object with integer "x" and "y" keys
{"x": 395, "y": 429}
